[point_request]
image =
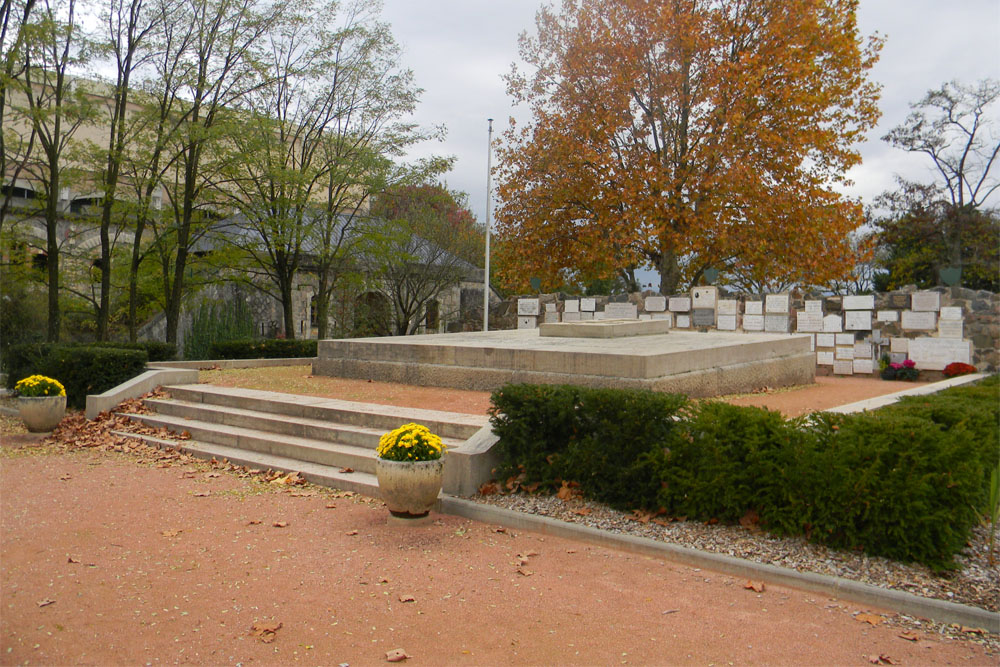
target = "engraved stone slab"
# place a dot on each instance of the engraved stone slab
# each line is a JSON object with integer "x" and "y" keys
{"x": 776, "y": 323}
{"x": 550, "y": 308}
{"x": 776, "y": 303}
{"x": 843, "y": 367}
{"x": 588, "y": 304}
{"x": 897, "y": 357}
{"x": 704, "y": 297}
{"x": 951, "y": 313}
{"x": 950, "y": 328}
{"x": 703, "y": 317}
{"x": 753, "y": 322}
{"x": 753, "y": 308}
{"x": 571, "y": 306}
{"x": 899, "y": 344}
{"x": 833, "y": 324}
{"x": 925, "y": 301}
{"x": 844, "y": 353}
{"x": 914, "y": 320}
{"x": 824, "y": 358}
{"x": 728, "y": 307}
{"x": 862, "y": 351}
{"x": 726, "y": 323}
{"x": 550, "y": 316}
{"x": 825, "y": 340}
{"x": 656, "y": 304}
{"x": 864, "y": 366}
{"x": 936, "y": 353}
{"x": 620, "y": 311}
{"x": 528, "y": 307}
{"x": 527, "y": 322}
{"x": 887, "y": 316}
{"x": 808, "y": 322}
{"x": 669, "y": 317}
{"x": 859, "y": 302}
{"x": 814, "y": 306}
{"x": 845, "y": 339}
{"x": 680, "y": 304}
{"x": 683, "y": 322}
{"x": 858, "y": 320}
{"x": 571, "y": 317}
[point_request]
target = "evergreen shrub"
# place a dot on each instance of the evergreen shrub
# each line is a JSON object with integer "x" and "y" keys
{"x": 271, "y": 348}
{"x": 216, "y": 323}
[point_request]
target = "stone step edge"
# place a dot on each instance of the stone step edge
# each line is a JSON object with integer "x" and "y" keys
{"x": 314, "y": 473}
{"x": 321, "y": 423}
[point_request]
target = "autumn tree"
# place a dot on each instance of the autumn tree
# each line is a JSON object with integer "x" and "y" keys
{"x": 685, "y": 134}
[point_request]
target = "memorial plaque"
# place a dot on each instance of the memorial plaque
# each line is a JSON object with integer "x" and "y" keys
{"x": 704, "y": 297}
{"x": 845, "y": 339}
{"x": 776, "y": 323}
{"x": 858, "y": 320}
{"x": 620, "y": 311}
{"x": 588, "y": 305}
{"x": 809, "y": 322}
{"x": 680, "y": 304}
{"x": 814, "y": 306}
{"x": 825, "y": 340}
{"x": 897, "y": 357}
{"x": 753, "y": 308}
{"x": 753, "y": 322}
{"x": 528, "y": 307}
{"x": 899, "y": 344}
{"x": 645, "y": 317}
{"x": 571, "y": 306}
{"x": 925, "y": 301}
{"x": 571, "y": 317}
{"x": 833, "y": 324}
{"x": 935, "y": 353}
{"x": 824, "y": 358}
{"x": 887, "y": 316}
{"x": 950, "y": 328}
{"x": 844, "y": 353}
{"x": 914, "y": 320}
{"x": 703, "y": 317}
{"x": 586, "y": 316}
{"x": 728, "y": 307}
{"x": 726, "y": 323}
{"x": 776, "y": 303}
{"x": 656, "y": 304}
{"x": 683, "y": 322}
{"x": 843, "y": 367}
{"x": 951, "y": 313}
{"x": 551, "y": 316}
{"x": 665, "y": 316}
{"x": 859, "y": 302}
{"x": 527, "y": 322}
{"x": 550, "y": 308}
{"x": 862, "y": 350}
{"x": 864, "y": 366}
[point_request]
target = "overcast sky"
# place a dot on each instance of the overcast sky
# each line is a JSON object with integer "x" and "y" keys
{"x": 459, "y": 51}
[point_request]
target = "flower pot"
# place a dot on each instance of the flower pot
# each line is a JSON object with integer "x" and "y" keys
{"x": 41, "y": 413}
{"x": 409, "y": 488}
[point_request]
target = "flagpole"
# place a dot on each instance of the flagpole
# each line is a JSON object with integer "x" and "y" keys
{"x": 489, "y": 217}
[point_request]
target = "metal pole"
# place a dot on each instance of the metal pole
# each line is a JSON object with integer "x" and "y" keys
{"x": 489, "y": 217}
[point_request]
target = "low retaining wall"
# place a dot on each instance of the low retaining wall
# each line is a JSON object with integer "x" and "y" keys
{"x": 136, "y": 387}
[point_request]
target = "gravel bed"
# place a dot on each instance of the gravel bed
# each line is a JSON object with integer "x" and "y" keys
{"x": 974, "y": 583}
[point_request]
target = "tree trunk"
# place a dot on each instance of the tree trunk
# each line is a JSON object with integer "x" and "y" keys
{"x": 670, "y": 272}
{"x": 52, "y": 250}
{"x": 322, "y": 307}
{"x": 287, "y": 312}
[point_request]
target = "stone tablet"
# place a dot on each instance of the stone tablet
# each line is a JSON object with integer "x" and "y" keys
{"x": 656, "y": 304}
{"x": 935, "y": 353}
{"x": 949, "y": 329}
{"x": 669, "y": 317}
{"x": 858, "y": 320}
{"x": 704, "y": 297}
{"x": 586, "y": 316}
{"x": 925, "y": 301}
{"x": 814, "y": 306}
{"x": 825, "y": 340}
{"x": 620, "y": 311}
{"x": 914, "y": 320}
{"x": 753, "y": 322}
{"x": 726, "y": 323}
{"x": 862, "y": 351}
{"x": 951, "y": 313}
{"x": 833, "y": 324}
{"x": 887, "y": 316}
{"x": 550, "y": 308}
{"x": 845, "y": 339}
{"x": 703, "y": 317}
{"x": 571, "y": 306}
{"x": 776, "y": 303}
{"x": 680, "y": 304}
{"x": 527, "y": 322}
{"x": 808, "y": 322}
{"x": 571, "y": 317}
{"x": 844, "y": 353}
{"x": 683, "y": 322}
{"x": 728, "y": 307}
{"x": 588, "y": 305}
{"x": 899, "y": 345}
{"x": 776, "y": 323}
{"x": 897, "y": 357}
{"x": 824, "y": 358}
{"x": 753, "y": 308}
{"x": 550, "y": 316}
{"x": 527, "y": 307}
{"x": 645, "y": 317}
{"x": 864, "y": 366}
{"x": 859, "y": 302}
{"x": 843, "y": 367}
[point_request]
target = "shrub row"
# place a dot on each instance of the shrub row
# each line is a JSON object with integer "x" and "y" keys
{"x": 82, "y": 369}
{"x": 904, "y": 482}
{"x": 271, "y": 348}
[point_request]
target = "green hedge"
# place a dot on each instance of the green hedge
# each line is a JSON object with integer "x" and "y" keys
{"x": 903, "y": 482}
{"x": 271, "y": 348}
{"x": 155, "y": 350}
{"x": 81, "y": 369}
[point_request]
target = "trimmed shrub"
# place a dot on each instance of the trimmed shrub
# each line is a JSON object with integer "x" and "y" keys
{"x": 271, "y": 348}
{"x": 155, "y": 350}
{"x": 216, "y": 323}
{"x": 81, "y": 369}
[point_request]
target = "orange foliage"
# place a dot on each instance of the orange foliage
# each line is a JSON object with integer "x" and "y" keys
{"x": 711, "y": 130}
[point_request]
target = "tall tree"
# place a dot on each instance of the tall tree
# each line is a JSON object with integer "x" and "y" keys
{"x": 684, "y": 134}
{"x": 14, "y": 146}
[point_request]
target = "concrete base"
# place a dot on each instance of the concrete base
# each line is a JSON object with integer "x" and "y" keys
{"x": 604, "y": 328}
{"x": 692, "y": 363}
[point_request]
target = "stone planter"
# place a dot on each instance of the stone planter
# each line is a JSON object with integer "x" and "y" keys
{"x": 409, "y": 488}
{"x": 41, "y": 413}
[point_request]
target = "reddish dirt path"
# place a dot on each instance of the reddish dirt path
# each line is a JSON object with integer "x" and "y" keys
{"x": 140, "y": 568}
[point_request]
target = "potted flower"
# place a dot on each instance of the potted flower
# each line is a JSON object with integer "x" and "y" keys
{"x": 41, "y": 402}
{"x": 901, "y": 371}
{"x": 409, "y": 468}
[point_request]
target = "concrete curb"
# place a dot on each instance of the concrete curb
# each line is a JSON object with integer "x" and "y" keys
{"x": 920, "y": 390}
{"x": 225, "y": 364}
{"x": 898, "y": 601}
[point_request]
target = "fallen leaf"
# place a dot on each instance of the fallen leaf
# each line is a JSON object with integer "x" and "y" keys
{"x": 330, "y": 506}
{"x": 253, "y": 522}
{"x": 46, "y": 602}
{"x": 351, "y": 532}
{"x": 975, "y": 631}
{"x": 209, "y": 475}
{"x": 346, "y": 470}
{"x": 396, "y": 655}
{"x": 407, "y": 598}
{"x": 489, "y": 488}
{"x": 499, "y": 529}
{"x": 65, "y": 477}
{"x": 568, "y": 491}
{"x": 202, "y": 494}
{"x": 909, "y": 636}
{"x": 70, "y": 559}
{"x": 583, "y": 511}
{"x": 279, "y": 524}
{"x": 670, "y": 611}
{"x": 265, "y": 632}
{"x": 170, "y": 533}
{"x": 524, "y": 573}
{"x": 873, "y": 619}
{"x": 750, "y": 519}
{"x": 757, "y": 586}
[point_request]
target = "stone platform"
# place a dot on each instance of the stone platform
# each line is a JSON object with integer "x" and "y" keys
{"x": 693, "y": 363}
